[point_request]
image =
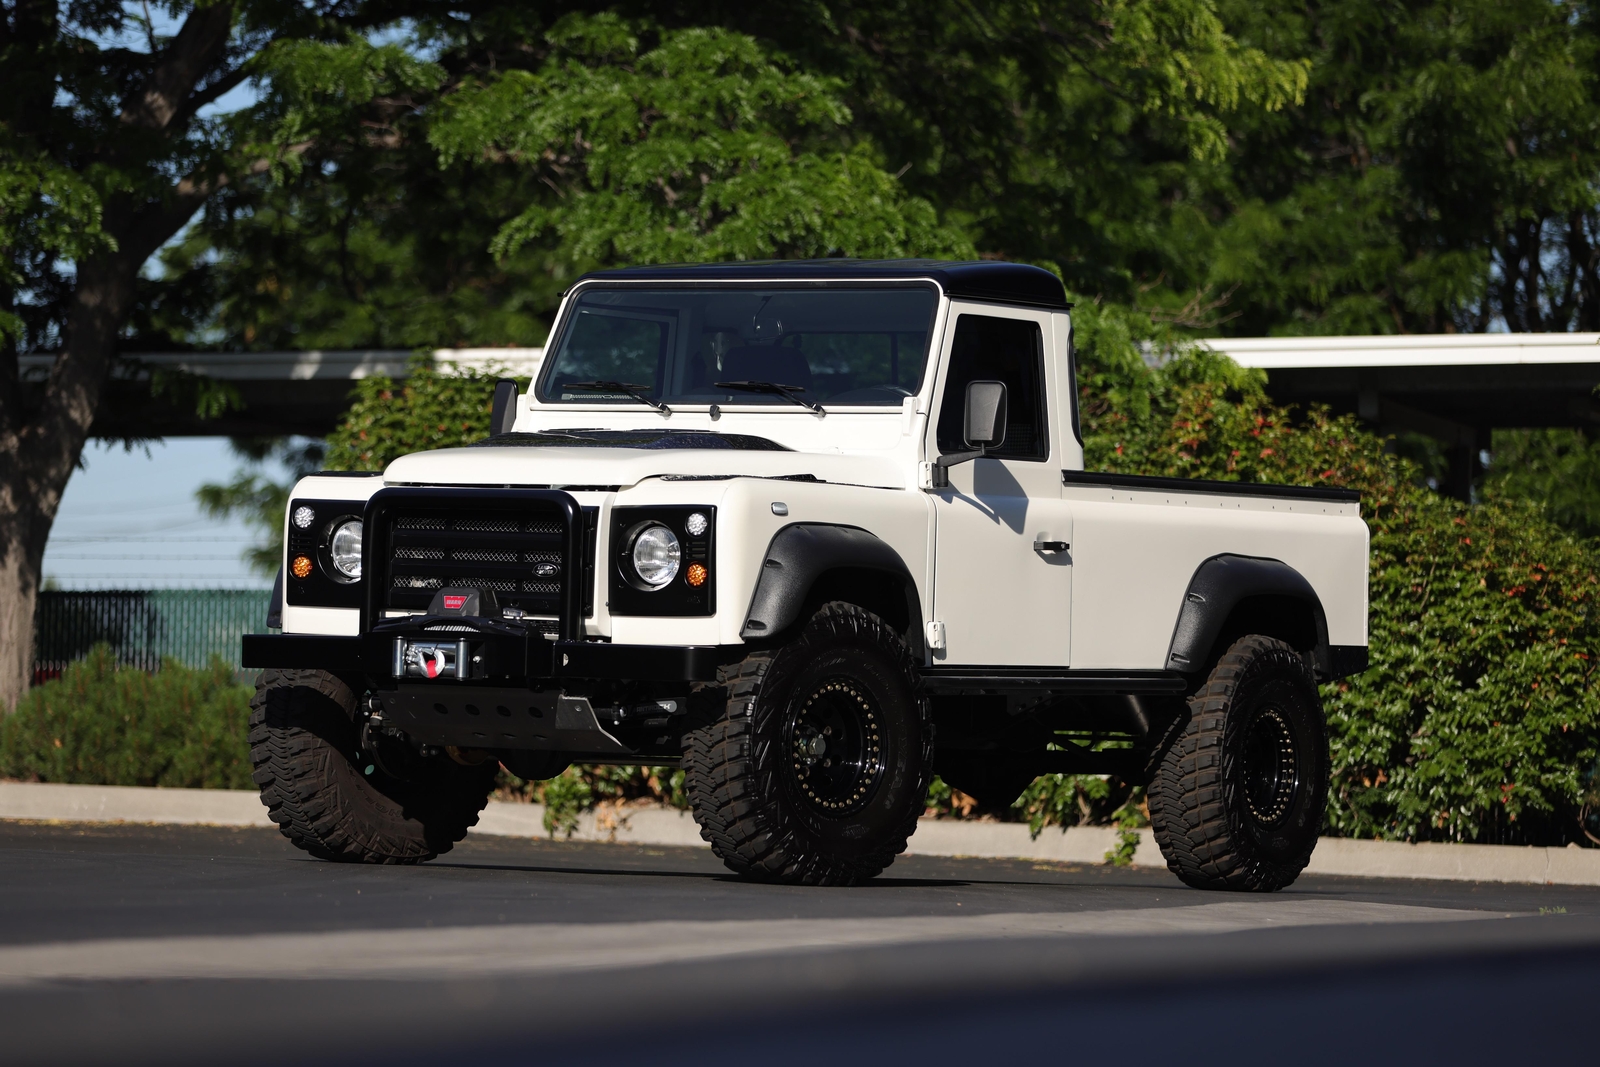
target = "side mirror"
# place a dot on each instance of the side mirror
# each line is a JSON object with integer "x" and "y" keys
{"x": 504, "y": 413}
{"x": 985, "y": 423}
{"x": 983, "y": 426}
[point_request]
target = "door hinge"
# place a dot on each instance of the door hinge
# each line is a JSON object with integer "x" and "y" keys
{"x": 936, "y": 636}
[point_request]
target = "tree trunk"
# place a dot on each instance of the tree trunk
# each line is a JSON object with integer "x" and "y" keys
{"x": 19, "y": 592}
{"x": 43, "y": 451}
{"x": 39, "y": 453}
{"x": 39, "y": 450}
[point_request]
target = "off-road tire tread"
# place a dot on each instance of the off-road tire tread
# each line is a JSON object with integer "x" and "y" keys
{"x": 1193, "y": 820}
{"x": 301, "y": 723}
{"x": 722, "y": 764}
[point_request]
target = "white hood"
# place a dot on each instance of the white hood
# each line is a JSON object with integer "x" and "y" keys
{"x": 628, "y": 466}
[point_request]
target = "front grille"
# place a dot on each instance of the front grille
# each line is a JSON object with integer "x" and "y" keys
{"x": 430, "y": 551}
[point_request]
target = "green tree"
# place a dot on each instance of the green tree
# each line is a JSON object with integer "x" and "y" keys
{"x": 702, "y": 147}
{"x": 1062, "y": 131}
{"x": 1441, "y": 173}
{"x": 108, "y": 146}
{"x": 1067, "y": 132}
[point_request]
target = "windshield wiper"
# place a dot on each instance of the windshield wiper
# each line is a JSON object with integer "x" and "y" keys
{"x": 772, "y": 389}
{"x": 641, "y": 393}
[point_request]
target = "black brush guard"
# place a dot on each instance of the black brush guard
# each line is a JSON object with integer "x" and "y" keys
{"x": 504, "y": 652}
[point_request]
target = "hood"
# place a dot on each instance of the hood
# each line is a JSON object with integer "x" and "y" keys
{"x": 624, "y": 467}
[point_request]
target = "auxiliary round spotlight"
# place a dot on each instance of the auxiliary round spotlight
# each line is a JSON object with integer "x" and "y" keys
{"x": 304, "y": 517}
{"x": 696, "y": 524}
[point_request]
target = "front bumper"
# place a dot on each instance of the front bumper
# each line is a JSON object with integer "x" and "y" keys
{"x": 528, "y": 659}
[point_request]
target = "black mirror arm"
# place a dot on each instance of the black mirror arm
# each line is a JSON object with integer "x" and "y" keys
{"x": 942, "y": 465}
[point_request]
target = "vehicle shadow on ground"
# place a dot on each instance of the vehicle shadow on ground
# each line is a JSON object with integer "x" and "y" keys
{"x": 705, "y": 876}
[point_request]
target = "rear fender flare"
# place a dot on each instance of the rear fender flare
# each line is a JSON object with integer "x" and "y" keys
{"x": 1218, "y": 586}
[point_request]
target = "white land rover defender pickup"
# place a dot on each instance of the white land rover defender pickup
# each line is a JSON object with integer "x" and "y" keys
{"x": 814, "y": 532}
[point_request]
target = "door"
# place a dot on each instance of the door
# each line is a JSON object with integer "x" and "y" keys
{"x": 1002, "y": 584}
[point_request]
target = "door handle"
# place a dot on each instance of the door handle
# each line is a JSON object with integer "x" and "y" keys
{"x": 1041, "y": 545}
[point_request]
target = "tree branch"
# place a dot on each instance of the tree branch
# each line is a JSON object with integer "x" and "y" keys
{"x": 211, "y": 93}
{"x": 183, "y": 62}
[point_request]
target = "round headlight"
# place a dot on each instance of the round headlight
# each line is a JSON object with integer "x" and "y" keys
{"x": 656, "y": 555}
{"x": 345, "y": 549}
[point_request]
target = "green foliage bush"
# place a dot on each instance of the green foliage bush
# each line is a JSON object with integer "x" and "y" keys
{"x": 1559, "y": 467}
{"x": 435, "y": 407}
{"x": 1479, "y": 715}
{"x": 580, "y": 789}
{"x": 102, "y": 724}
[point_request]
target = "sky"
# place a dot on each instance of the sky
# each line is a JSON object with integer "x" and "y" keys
{"x": 130, "y": 521}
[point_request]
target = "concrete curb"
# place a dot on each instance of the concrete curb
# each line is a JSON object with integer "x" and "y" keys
{"x": 934, "y": 837}
{"x": 121, "y": 803}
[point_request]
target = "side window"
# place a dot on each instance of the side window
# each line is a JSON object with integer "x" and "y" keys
{"x": 998, "y": 350}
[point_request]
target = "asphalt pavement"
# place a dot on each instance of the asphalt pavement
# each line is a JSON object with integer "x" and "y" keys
{"x": 135, "y": 944}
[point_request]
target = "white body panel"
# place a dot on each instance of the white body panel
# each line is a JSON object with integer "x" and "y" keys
{"x": 1136, "y": 551}
{"x": 1110, "y": 602}
{"x": 627, "y": 467}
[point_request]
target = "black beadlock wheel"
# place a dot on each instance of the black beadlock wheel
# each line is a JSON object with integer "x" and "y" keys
{"x": 817, "y": 767}
{"x": 1239, "y": 792}
{"x": 333, "y": 803}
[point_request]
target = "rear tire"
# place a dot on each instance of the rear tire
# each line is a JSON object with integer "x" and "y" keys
{"x": 337, "y": 805}
{"x": 1238, "y": 795}
{"x": 817, "y": 768}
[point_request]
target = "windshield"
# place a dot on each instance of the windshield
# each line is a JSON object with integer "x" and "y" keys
{"x": 833, "y": 346}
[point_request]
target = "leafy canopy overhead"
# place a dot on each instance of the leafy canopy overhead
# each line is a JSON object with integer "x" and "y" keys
{"x": 449, "y": 201}
{"x": 702, "y": 147}
{"x": 1251, "y": 168}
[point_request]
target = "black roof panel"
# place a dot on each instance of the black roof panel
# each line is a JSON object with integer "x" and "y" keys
{"x": 1006, "y": 283}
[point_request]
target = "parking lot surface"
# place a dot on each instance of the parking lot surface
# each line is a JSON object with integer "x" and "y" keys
{"x": 134, "y": 944}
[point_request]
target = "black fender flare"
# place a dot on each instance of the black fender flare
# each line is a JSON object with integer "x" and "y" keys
{"x": 802, "y": 552}
{"x": 1218, "y": 586}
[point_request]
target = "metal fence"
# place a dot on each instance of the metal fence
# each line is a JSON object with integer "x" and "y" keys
{"x": 143, "y": 627}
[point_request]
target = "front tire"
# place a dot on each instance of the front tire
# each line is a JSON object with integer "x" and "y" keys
{"x": 333, "y": 803}
{"x": 1238, "y": 795}
{"x": 818, "y": 766}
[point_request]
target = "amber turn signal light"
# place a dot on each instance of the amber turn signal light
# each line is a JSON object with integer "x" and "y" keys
{"x": 301, "y": 567}
{"x": 696, "y": 575}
